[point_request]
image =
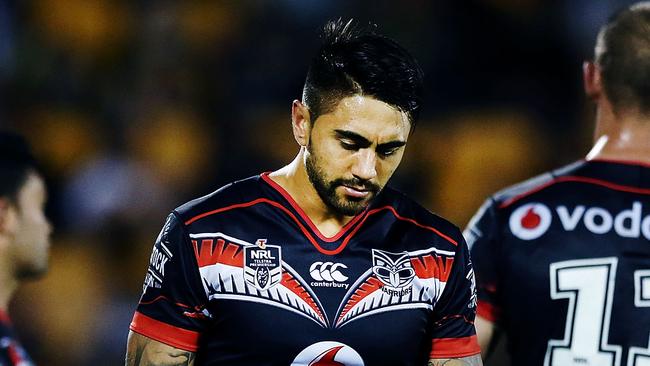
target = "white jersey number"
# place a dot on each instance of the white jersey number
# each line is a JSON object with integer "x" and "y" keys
{"x": 588, "y": 284}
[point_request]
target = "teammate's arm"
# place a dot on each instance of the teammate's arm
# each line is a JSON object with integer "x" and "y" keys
{"x": 144, "y": 351}
{"x": 464, "y": 361}
{"x": 485, "y": 334}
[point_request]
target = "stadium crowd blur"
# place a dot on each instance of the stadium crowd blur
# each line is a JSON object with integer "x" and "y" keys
{"x": 134, "y": 107}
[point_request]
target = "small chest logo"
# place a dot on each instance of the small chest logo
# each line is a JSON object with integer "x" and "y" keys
{"x": 263, "y": 265}
{"x": 328, "y": 274}
{"x": 530, "y": 221}
{"x": 394, "y": 270}
{"x": 328, "y": 353}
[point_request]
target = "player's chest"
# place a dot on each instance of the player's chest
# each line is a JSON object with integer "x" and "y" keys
{"x": 288, "y": 273}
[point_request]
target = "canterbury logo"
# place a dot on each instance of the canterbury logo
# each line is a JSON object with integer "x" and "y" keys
{"x": 327, "y": 271}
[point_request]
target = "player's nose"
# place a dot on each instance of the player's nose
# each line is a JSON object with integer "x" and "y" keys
{"x": 365, "y": 165}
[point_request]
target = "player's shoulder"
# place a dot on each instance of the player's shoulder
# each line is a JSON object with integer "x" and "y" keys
{"x": 535, "y": 188}
{"x": 418, "y": 218}
{"x": 234, "y": 193}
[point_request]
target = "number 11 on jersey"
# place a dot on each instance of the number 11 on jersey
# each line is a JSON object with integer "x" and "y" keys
{"x": 588, "y": 284}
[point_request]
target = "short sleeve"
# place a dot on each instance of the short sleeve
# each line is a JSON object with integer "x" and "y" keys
{"x": 172, "y": 309}
{"x": 481, "y": 236}
{"x": 453, "y": 333}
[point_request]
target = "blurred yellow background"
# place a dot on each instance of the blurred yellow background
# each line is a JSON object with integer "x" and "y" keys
{"x": 134, "y": 107}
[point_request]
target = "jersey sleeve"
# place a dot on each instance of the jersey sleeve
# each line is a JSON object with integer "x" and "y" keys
{"x": 172, "y": 309}
{"x": 453, "y": 333}
{"x": 481, "y": 235}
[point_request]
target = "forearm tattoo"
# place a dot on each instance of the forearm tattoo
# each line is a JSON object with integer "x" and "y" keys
{"x": 142, "y": 351}
{"x": 141, "y": 359}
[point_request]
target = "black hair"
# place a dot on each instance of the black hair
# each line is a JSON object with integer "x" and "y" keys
{"x": 623, "y": 55}
{"x": 355, "y": 60}
{"x": 16, "y": 163}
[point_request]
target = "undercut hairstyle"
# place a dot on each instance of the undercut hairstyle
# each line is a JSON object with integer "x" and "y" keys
{"x": 16, "y": 163}
{"x": 623, "y": 55}
{"x": 355, "y": 60}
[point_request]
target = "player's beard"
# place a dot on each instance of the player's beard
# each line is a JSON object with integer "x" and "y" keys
{"x": 326, "y": 189}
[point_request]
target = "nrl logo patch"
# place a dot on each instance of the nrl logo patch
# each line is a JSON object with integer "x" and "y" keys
{"x": 263, "y": 265}
{"x": 394, "y": 270}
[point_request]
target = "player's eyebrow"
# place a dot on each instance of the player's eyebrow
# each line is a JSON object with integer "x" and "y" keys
{"x": 391, "y": 145}
{"x": 358, "y": 140}
{"x": 363, "y": 142}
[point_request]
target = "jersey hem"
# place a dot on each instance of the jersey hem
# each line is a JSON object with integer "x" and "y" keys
{"x": 454, "y": 347}
{"x": 170, "y": 335}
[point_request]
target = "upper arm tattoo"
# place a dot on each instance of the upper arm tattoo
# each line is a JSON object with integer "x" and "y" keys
{"x": 465, "y": 361}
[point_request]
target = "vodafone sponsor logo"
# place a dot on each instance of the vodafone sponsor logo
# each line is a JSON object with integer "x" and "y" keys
{"x": 532, "y": 220}
{"x": 328, "y": 353}
{"x": 629, "y": 223}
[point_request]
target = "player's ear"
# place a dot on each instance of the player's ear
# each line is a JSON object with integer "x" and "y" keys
{"x": 300, "y": 122}
{"x": 592, "y": 80}
{"x": 7, "y": 218}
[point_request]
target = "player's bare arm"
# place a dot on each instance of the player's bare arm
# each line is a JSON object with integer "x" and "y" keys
{"x": 465, "y": 361}
{"x": 486, "y": 334}
{"x": 144, "y": 351}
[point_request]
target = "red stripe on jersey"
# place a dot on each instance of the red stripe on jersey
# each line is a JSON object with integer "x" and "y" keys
{"x": 454, "y": 347}
{"x": 293, "y": 285}
{"x": 371, "y": 285}
{"x": 229, "y": 254}
{"x": 4, "y": 318}
{"x": 231, "y": 207}
{"x": 430, "y": 266}
{"x": 14, "y": 354}
{"x": 599, "y": 182}
{"x": 301, "y": 213}
{"x": 624, "y": 162}
{"x": 180, "y": 338}
{"x": 487, "y": 311}
{"x": 402, "y": 218}
{"x": 306, "y": 232}
{"x": 275, "y": 204}
{"x": 161, "y": 297}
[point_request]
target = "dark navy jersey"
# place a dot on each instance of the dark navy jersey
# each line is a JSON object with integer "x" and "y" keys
{"x": 11, "y": 352}
{"x": 563, "y": 265}
{"x": 243, "y": 277}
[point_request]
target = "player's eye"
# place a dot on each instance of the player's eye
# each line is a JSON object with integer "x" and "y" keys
{"x": 349, "y": 145}
{"x": 387, "y": 152}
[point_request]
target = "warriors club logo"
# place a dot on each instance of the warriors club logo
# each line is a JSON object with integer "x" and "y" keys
{"x": 328, "y": 353}
{"x": 394, "y": 270}
{"x": 530, "y": 221}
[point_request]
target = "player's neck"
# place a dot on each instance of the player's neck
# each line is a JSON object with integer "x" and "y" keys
{"x": 624, "y": 137}
{"x": 294, "y": 179}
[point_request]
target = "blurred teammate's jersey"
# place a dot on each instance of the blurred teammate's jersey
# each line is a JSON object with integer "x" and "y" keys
{"x": 11, "y": 352}
{"x": 563, "y": 265}
{"x": 243, "y": 277}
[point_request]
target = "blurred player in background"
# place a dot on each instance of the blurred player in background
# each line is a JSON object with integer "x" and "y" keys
{"x": 563, "y": 260}
{"x": 317, "y": 263}
{"x": 24, "y": 234}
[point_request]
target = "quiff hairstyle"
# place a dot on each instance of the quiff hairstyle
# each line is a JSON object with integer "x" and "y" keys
{"x": 355, "y": 60}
